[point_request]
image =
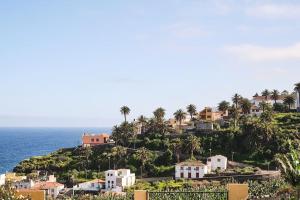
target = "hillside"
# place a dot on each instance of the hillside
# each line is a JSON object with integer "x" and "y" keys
{"x": 254, "y": 142}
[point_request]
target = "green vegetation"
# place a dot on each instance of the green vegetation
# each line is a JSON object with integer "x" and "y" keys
{"x": 268, "y": 141}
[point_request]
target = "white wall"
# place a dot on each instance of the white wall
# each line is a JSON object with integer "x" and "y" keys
{"x": 2, "y": 179}
{"x": 89, "y": 186}
{"x": 178, "y": 170}
{"x": 123, "y": 175}
{"x": 216, "y": 162}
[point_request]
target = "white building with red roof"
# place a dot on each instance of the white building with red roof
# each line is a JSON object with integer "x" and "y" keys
{"x": 52, "y": 189}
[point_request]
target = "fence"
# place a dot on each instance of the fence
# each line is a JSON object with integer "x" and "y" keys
{"x": 195, "y": 195}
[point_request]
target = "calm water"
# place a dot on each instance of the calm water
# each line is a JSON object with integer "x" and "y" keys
{"x": 17, "y": 144}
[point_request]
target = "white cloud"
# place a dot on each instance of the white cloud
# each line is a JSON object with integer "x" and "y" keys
{"x": 186, "y": 31}
{"x": 275, "y": 11}
{"x": 262, "y": 53}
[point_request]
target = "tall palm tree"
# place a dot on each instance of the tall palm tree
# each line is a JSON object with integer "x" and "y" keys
{"x": 266, "y": 93}
{"x": 125, "y": 111}
{"x": 275, "y": 95}
{"x": 192, "y": 144}
{"x": 285, "y": 93}
{"x": 179, "y": 116}
{"x": 289, "y": 100}
{"x": 176, "y": 145}
{"x": 297, "y": 89}
{"x": 236, "y": 99}
{"x": 159, "y": 114}
{"x": 143, "y": 120}
{"x": 143, "y": 155}
{"x": 192, "y": 110}
{"x": 223, "y": 106}
{"x": 246, "y": 106}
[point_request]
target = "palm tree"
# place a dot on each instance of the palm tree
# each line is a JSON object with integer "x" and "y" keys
{"x": 236, "y": 99}
{"x": 297, "y": 89}
{"x": 143, "y": 155}
{"x": 223, "y": 106}
{"x": 176, "y": 145}
{"x": 192, "y": 144}
{"x": 266, "y": 93}
{"x": 192, "y": 110}
{"x": 179, "y": 116}
{"x": 143, "y": 120}
{"x": 289, "y": 100}
{"x": 285, "y": 93}
{"x": 263, "y": 106}
{"x": 159, "y": 114}
{"x": 125, "y": 111}
{"x": 118, "y": 152}
{"x": 290, "y": 165}
{"x": 246, "y": 106}
{"x": 275, "y": 95}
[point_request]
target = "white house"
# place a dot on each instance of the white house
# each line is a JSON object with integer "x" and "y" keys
{"x": 217, "y": 162}
{"x": 2, "y": 179}
{"x": 52, "y": 189}
{"x": 23, "y": 184}
{"x": 190, "y": 170}
{"x": 117, "y": 180}
{"x": 90, "y": 186}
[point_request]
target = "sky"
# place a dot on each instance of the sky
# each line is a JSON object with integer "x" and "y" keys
{"x": 75, "y": 63}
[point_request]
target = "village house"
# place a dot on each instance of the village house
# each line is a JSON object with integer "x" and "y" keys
{"x": 217, "y": 162}
{"x": 211, "y": 114}
{"x": 2, "y": 179}
{"x": 298, "y": 100}
{"x": 117, "y": 180}
{"x": 23, "y": 184}
{"x": 51, "y": 189}
{"x": 93, "y": 186}
{"x": 257, "y": 99}
{"x": 190, "y": 170}
{"x": 93, "y": 139}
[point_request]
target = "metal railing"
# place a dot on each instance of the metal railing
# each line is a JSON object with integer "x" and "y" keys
{"x": 186, "y": 195}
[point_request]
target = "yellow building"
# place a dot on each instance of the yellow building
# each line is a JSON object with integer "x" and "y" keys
{"x": 210, "y": 114}
{"x": 33, "y": 194}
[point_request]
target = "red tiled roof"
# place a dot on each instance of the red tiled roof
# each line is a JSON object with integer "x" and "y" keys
{"x": 47, "y": 185}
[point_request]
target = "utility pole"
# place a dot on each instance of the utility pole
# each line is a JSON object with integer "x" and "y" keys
{"x": 232, "y": 156}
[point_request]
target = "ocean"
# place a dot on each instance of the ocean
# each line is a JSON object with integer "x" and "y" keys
{"x": 17, "y": 144}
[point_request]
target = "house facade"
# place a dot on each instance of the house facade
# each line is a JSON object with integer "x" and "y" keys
{"x": 190, "y": 170}
{"x": 94, "y": 139}
{"x": 211, "y": 114}
{"x": 217, "y": 162}
{"x": 90, "y": 186}
{"x": 51, "y": 189}
{"x": 23, "y": 184}
{"x": 2, "y": 179}
{"x": 117, "y": 180}
{"x": 298, "y": 100}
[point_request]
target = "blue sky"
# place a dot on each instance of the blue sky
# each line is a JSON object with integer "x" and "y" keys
{"x": 74, "y": 63}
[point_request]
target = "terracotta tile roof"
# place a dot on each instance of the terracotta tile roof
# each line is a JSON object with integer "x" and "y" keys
{"x": 47, "y": 185}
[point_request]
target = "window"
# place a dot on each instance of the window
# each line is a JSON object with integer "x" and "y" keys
{"x": 189, "y": 168}
{"x": 219, "y": 160}
{"x": 197, "y": 175}
{"x": 189, "y": 175}
{"x": 97, "y": 139}
{"x": 181, "y": 175}
{"x": 196, "y": 168}
{"x": 209, "y": 159}
{"x": 92, "y": 140}
{"x": 181, "y": 168}
{"x": 93, "y": 185}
